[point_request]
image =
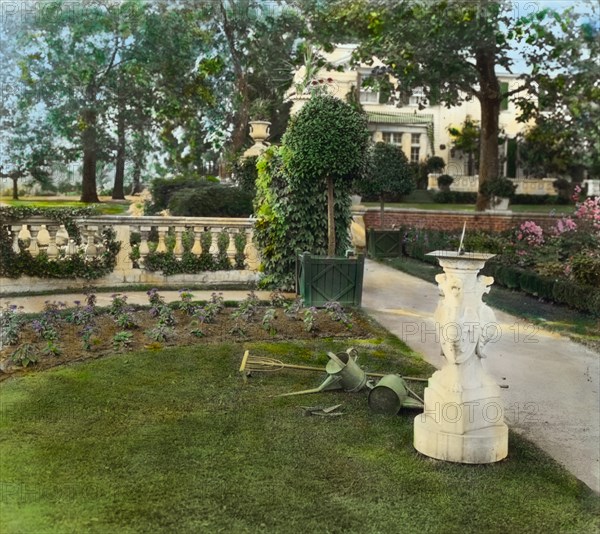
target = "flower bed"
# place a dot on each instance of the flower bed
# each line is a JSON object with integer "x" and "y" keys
{"x": 560, "y": 264}
{"x": 61, "y": 334}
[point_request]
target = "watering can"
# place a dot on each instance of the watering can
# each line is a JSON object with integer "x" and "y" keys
{"x": 390, "y": 394}
{"x": 343, "y": 373}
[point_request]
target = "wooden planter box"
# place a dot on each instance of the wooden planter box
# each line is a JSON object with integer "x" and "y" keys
{"x": 321, "y": 279}
{"x": 384, "y": 243}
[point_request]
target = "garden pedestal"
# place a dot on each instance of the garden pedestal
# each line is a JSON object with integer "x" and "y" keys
{"x": 463, "y": 418}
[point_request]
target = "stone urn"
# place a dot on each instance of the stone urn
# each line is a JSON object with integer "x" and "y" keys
{"x": 259, "y": 131}
{"x": 499, "y": 204}
{"x": 463, "y": 418}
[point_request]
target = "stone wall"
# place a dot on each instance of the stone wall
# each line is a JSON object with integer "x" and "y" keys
{"x": 454, "y": 220}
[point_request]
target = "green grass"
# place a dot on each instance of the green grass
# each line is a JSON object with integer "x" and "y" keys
{"x": 517, "y": 208}
{"x": 175, "y": 441}
{"x": 106, "y": 208}
{"x": 562, "y": 319}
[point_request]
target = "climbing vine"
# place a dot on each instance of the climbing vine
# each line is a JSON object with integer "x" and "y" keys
{"x": 23, "y": 263}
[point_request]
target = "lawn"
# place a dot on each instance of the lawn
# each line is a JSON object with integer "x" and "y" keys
{"x": 175, "y": 441}
{"x": 517, "y": 208}
{"x": 107, "y": 207}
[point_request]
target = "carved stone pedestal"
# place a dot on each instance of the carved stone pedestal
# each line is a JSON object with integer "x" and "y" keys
{"x": 463, "y": 418}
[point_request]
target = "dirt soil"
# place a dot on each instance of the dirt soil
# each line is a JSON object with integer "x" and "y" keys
{"x": 223, "y": 328}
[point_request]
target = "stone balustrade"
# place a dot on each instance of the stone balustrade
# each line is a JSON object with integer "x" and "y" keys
{"x": 470, "y": 184}
{"x": 158, "y": 234}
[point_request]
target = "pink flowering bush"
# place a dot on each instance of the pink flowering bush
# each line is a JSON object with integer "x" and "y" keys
{"x": 588, "y": 213}
{"x": 531, "y": 234}
{"x": 569, "y": 250}
{"x": 564, "y": 225}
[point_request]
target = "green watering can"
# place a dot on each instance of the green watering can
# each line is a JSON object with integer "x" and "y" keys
{"x": 343, "y": 373}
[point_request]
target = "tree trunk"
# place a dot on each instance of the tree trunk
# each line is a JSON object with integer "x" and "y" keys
{"x": 89, "y": 141}
{"x": 118, "y": 190}
{"x": 139, "y": 155}
{"x": 15, "y": 182}
{"x": 489, "y": 99}
{"x": 330, "y": 217}
{"x": 136, "y": 185}
{"x": 381, "y": 211}
{"x": 240, "y": 132}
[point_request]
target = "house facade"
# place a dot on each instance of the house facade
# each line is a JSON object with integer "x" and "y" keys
{"x": 418, "y": 126}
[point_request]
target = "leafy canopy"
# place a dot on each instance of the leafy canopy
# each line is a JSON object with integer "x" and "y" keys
{"x": 326, "y": 138}
{"x": 389, "y": 172}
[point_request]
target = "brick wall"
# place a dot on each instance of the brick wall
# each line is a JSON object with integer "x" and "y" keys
{"x": 452, "y": 220}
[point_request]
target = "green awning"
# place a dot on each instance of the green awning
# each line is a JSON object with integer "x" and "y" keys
{"x": 378, "y": 117}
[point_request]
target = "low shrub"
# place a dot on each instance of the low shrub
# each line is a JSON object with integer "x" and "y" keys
{"x": 455, "y": 197}
{"x": 163, "y": 189}
{"x": 212, "y": 200}
{"x": 585, "y": 269}
{"x": 534, "y": 199}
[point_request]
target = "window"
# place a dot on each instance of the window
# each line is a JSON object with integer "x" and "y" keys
{"x": 417, "y": 97}
{"x": 369, "y": 97}
{"x": 504, "y": 90}
{"x": 392, "y": 137}
{"x": 415, "y": 148}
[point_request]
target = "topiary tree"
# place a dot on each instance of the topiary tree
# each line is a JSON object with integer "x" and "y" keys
{"x": 388, "y": 172}
{"x": 326, "y": 144}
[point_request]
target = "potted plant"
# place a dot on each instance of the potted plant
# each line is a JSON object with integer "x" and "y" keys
{"x": 260, "y": 116}
{"x": 500, "y": 190}
{"x": 444, "y": 182}
{"x": 326, "y": 146}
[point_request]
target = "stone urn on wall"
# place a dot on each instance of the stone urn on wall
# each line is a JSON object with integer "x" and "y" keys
{"x": 260, "y": 127}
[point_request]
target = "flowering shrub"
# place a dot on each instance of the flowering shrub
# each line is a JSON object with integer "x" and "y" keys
{"x": 588, "y": 212}
{"x": 564, "y": 225}
{"x": 531, "y": 234}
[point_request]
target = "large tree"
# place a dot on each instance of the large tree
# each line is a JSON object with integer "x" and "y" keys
{"x": 454, "y": 50}
{"x": 69, "y": 65}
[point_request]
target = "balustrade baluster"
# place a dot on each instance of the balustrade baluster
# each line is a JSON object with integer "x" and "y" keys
{"x": 231, "y": 250}
{"x": 34, "y": 230}
{"x": 162, "y": 245}
{"x": 90, "y": 249}
{"x": 252, "y": 259}
{"x": 144, "y": 248}
{"x": 178, "y": 249}
{"x": 15, "y": 229}
{"x": 71, "y": 247}
{"x": 197, "y": 248}
{"x": 214, "y": 245}
{"x": 52, "y": 249}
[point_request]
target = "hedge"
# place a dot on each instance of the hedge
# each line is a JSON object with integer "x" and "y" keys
{"x": 212, "y": 200}
{"x": 455, "y": 197}
{"x": 163, "y": 189}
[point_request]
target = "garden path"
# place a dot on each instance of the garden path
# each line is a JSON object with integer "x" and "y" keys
{"x": 553, "y": 395}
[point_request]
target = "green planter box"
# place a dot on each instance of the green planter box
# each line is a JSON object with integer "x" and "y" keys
{"x": 321, "y": 279}
{"x": 384, "y": 243}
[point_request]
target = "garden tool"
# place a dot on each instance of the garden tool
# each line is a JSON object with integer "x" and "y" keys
{"x": 344, "y": 373}
{"x": 251, "y": 364}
